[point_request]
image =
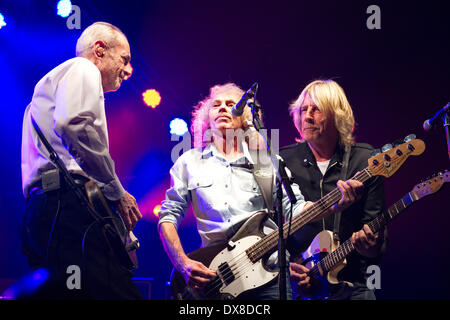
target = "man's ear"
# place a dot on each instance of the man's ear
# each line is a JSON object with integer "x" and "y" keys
{"x": 99, "y": 49}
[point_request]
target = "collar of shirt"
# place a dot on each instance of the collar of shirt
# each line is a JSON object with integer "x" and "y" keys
{"x": 211, "y": 150}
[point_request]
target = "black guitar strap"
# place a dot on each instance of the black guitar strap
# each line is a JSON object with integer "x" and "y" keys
{"x": 66, "y": 175}
{"x": 112, "y": 235}
{"x": 343, "y": 176}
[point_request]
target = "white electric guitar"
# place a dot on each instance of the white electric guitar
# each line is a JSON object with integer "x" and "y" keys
{"x": 325, "y": 258}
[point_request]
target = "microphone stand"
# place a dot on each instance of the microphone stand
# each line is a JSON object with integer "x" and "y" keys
{"x": 444, "y": 115}
{"x": 447, "y": 133}
{"x": 282, "y": 179}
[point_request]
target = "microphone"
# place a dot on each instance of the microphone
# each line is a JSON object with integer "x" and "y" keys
{"x": 428, "y": 124}
{"x": 238, "y": 109}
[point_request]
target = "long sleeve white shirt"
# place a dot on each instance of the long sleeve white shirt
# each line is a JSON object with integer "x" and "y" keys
{"x": 68, "y": 105}
{"x": 222, "y": 193}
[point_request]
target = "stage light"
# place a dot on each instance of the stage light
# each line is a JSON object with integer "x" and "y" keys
{"x": 64, "y": 8}
{"x": 29, "y": 285}
{"x": 156, "y": 209}
{"x": 151, "y": 98}
{"x": 2, "y": 21}
{"x": 178, "y": 126}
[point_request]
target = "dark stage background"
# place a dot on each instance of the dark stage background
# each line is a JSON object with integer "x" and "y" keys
{"x": 395, "y": 78}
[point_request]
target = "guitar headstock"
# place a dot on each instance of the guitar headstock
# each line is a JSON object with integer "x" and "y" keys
{"x": 390, "y": 158}
{"x": 430, "y": 185}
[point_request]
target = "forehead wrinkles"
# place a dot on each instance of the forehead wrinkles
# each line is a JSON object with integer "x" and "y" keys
{"x": 321, "y": 101}
{"x": 224, "y": 96}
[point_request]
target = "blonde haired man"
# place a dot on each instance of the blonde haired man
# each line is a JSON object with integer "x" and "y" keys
{"x": 325, "y": 122}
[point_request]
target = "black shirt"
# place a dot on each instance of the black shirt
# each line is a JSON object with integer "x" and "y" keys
{"x": 313, "y": 185}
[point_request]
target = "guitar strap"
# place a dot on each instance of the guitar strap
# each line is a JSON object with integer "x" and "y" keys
{"x": 343, "y": 176}
{"x": 262, "y": 170}
{"x": 68, "y": 178}
{"x": 111, "y": 234}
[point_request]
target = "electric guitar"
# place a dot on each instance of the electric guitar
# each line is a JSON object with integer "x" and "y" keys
{"x": 240, "y": 262}
{"x": 325, "y": 258}
{"x": 125, "y": 245}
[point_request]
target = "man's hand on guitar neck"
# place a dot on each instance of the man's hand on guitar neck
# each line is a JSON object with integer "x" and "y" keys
{"x": 367, "y": 243}
{"x": 351, "y": 191}
{"x": 129, "y": 211}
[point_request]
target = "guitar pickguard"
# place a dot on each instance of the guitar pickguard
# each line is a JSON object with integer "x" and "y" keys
{"x": 327, "y": 286}
{"x": 237, "y": 272}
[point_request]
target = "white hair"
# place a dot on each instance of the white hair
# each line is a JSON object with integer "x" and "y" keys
{"x": 97, "y": 31}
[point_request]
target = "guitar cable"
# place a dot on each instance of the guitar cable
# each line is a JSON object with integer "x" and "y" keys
{"x": 83, "y": 242}
{"x": 55, "y": 219}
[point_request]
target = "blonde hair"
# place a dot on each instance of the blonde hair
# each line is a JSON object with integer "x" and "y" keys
{"x": 97, "y": 31}
{"x": 200, "y": 116}
{"x": 330, "y": 98}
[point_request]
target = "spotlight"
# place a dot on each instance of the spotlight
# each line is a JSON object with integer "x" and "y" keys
{"x": 178, "y": 126}
{"x": 2, "y": 21}
{"x": 64, "y": 8}
{"x": 151, "y": 98}
{"x": 156, "y": 209}
{"x": 37, "y": 284}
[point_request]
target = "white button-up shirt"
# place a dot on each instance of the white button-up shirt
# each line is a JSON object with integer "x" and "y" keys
{"x": 68, "y": 105}
{"x": 223, "y": 194}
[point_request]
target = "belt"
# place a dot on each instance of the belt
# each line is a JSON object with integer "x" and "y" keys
{"x": 79, "y": 180}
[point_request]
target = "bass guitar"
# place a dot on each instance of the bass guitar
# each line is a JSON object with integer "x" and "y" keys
{"x": 326, "y": 258}
{"x": 240, "y": 262}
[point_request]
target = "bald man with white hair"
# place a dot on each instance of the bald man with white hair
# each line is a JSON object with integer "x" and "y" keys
{"x": 57, "y": 231}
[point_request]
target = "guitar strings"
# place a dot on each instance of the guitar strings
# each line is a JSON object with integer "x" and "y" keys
{"x": 237, "y": 270}
{"x": 328, "y": 262}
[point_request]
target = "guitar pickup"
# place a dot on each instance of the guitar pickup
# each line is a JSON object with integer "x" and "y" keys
{"x": 225, "y": 273}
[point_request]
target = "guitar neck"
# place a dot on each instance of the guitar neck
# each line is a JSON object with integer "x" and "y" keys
{"x": 270, "y": 241}
{"x": 332, "y": 259}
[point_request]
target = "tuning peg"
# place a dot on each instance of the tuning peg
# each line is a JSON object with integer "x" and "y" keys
{"x": 375, "y": 152}
{"x": 386, "y": 147}
{"x": 410, "y": 137}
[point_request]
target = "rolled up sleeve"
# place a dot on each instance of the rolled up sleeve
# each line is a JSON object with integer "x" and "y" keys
{"x": 178, "y": 198}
